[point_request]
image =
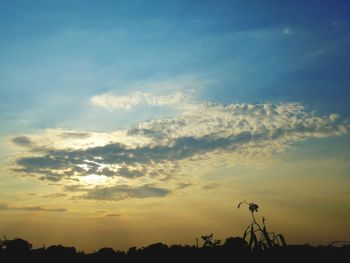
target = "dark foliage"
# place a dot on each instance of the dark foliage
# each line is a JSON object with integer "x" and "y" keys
{"x": 234, "y": 249}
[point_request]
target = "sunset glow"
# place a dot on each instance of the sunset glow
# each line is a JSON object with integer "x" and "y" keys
{"x": 125, "y": 123}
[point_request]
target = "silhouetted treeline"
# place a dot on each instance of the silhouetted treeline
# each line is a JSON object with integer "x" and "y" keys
{"x": 234, "y": 249}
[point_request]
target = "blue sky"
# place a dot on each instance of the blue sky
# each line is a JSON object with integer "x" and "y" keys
{"x": 55, "y": 55}
{"x": 132, "y": 107}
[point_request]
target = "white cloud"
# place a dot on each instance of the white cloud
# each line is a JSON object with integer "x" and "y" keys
{"x": 152, "y": 151}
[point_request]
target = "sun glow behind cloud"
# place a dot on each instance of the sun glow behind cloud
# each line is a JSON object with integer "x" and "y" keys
{"x": 93, "y": 179}
{"x": 151, "y": 158}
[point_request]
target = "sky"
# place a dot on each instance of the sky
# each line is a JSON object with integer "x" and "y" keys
{"x": 125, "y": 123}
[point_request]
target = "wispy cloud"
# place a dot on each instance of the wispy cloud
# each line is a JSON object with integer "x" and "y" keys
{"x": 113, "y": 215}
{"x": 30, "y": 208}
{"x": 126, "y": 102}
{"x": 55, "y": 195}
{"x": 183, "y": 185}
{"x": 210, "y": 186}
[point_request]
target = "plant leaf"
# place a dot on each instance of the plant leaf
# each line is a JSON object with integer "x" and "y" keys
{"x": 251, "y": 237}
{"x": 245, "y": 234}
{"x": 255, "y": 241}
{"x": 282, "y": 240}
{"x": 267, "y": 238}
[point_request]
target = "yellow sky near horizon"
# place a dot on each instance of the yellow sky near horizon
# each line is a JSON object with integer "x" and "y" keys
{"x": 306, "y": 200}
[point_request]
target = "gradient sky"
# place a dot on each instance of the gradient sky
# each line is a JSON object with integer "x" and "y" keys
{"x": 126, "y": 123}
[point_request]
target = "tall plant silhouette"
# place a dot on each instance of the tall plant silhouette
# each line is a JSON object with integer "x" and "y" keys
{"x": 259, "y": 237}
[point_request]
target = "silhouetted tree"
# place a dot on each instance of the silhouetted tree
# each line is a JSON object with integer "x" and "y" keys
{"x": 156, "y": 246}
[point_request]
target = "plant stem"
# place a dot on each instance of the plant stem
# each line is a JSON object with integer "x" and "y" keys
{"x": 255, "y": 222}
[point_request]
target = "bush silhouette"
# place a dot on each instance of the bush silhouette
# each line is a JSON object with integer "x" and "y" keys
{"x": 236, "y": 243}
{"x": 16, "y": 246}
{"x": 106, "y": 252}
{"x": 60, "y": 251}
{"x": 208, "y": 241}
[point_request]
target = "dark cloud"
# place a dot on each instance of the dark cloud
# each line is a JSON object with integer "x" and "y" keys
{"x": 71, "y": 160}
{"x": 22, "y": 141}
{"x": 123, "y": 191}
{"x": 126, "y": 172}
{"x": 47, "y": 161}
{"x": 5, "y": 207}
